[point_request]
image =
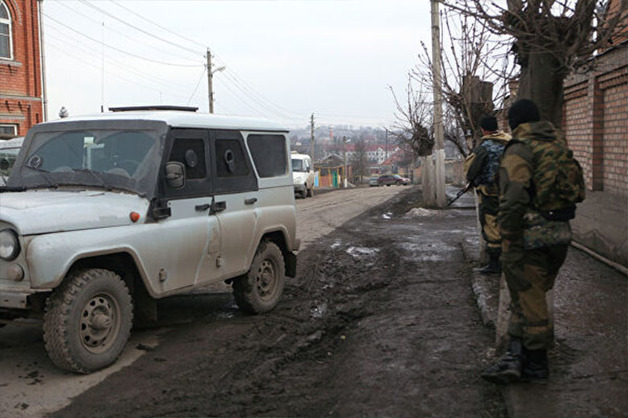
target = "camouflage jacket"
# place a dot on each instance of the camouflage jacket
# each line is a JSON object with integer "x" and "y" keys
{"x": 482, "y": 164}
{"x": 517, "y": 217}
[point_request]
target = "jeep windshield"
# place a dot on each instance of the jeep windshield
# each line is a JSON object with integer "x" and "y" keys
{"x": 123, "y": 155}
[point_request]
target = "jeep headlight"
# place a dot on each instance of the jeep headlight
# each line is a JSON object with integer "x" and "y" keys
{"x": 9, "y": 245}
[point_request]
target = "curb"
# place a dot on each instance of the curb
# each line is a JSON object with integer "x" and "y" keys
{"x": 485, "y": 288}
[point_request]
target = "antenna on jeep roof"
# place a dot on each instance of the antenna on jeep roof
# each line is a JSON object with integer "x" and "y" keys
{"x": 154, "y": 107}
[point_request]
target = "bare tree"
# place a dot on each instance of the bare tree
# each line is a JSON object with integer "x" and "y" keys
{"x": 412, "y": 121}
{"x": 359, "y": 161}
{"x": 475, "y": 72}
{"x": 473, "y": 62}
{"x": 550, "y": 40}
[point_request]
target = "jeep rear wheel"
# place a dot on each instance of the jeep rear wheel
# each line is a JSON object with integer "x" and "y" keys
{"x": 260, "y": 289}
{"x": 88, "y": 321}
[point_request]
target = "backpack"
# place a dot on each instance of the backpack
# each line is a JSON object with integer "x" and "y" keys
{"x": 488, "y": 175}
{"x": 557, "y": 181}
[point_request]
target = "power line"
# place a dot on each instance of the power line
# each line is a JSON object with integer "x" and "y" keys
{"x": 197, "y": 84}
{"x": 117, "y": 49}
{"x": 135, "y": 27}
{"x": 87, "y": 51}
{"x": 156, "y": 24}
{"x": 82, "y": 60}
{"x": 118, "y": 33}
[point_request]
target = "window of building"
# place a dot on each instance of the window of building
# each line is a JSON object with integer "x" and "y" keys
{"x": 8, "y": 130}
{"x": 6, "y": 49}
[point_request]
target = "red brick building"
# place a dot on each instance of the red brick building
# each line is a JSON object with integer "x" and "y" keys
{"x": 596, "y": 125}
{"x": 21, "y": 98}
{"x": 596, "y": 117}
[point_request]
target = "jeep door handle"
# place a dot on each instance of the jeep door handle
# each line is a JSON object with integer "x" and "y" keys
{"x": 219, "y": 207}
{"x": 250, "y": 201}
{"x": 202, "y": 208}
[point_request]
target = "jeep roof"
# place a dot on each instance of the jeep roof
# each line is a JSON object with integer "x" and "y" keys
{"x": 183, "y": 119}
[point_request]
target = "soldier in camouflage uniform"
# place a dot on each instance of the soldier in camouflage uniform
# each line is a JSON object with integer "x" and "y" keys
{"x": 534, "y": 241}
{"x": 481, "y": 171}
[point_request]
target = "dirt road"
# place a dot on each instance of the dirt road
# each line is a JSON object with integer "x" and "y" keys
{"x": 380, "y": 321}
{"x": 31, "y": 385}
{"x": 319, "y": 216}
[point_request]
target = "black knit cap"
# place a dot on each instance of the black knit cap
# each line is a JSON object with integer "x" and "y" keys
{"x": 488, "y": 123}
{"x": 522, "y": 111}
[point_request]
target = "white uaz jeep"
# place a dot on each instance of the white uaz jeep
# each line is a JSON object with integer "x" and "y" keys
{"x": 103, "y": 215}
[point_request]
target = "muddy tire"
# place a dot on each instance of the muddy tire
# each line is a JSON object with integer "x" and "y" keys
{"x": 88, "y": 320}
{"x": 310, "y": 192}
{"x": 260, "y": 289}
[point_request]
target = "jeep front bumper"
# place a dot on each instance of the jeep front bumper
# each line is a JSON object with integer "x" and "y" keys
{"x": 15, "y": 299}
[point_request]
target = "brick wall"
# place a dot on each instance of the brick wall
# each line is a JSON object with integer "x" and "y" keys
{"x": 20, "y": 77}
{"x": 596, "y": 121}
{"x": 615, "y": 137}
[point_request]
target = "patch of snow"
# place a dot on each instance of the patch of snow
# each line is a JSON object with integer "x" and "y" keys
{"x": 319, "y": 310}
{"x": 419, "y": 212}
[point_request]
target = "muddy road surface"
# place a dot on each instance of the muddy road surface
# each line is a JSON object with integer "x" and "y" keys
{"x": 380, "y": 321}
{"x": 30, "y": 385}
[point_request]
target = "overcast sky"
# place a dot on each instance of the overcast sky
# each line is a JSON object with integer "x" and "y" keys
{"x": 284, "y": 59}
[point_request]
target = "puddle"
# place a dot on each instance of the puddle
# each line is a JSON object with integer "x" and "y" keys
{"x": 357, "y": 252}
{"x": 427, "y": 252}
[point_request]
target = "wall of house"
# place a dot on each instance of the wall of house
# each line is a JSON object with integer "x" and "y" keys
{"x": 596, "y": 122}
{"x": 20, "y": 77}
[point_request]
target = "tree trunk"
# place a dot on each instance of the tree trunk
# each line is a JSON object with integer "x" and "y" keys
{"x": 542, "y": 81}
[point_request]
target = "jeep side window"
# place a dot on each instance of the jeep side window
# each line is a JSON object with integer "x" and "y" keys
{"x": 269, "y": 154}
{"x": 191, "y": 153}
{"x": 190, "y": 147}
{"x": 230, "y": 159}
{"x": 233, "y": 170}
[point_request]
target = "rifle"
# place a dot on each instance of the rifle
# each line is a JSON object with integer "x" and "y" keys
{"x": 460, "y": 193}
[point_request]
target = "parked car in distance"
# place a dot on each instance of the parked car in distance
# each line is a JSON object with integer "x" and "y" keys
{"x": 302, "y": 174}
{"x": 373, "y": 182}
{"x": 389, "y": 179}
{"x": 404, "y": 181}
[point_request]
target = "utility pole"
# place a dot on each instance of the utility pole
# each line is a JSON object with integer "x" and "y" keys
{"x": 42, "y": 60}
{"x": 210, "y": 83}
{"x": 312, "y": 136}
{"x": 439, "y": 148}
{"x": 344, "y": 148}
{"x": 210, "y": 79}
{"x": 386, "y": 148}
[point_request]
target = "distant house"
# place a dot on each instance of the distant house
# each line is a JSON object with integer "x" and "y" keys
{"x": 374, "y": 153}
{"x": 21, "y": 95}
{"x": 331, "y": 171}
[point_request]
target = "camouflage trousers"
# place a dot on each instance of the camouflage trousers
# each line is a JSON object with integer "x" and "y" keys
{"x": 489, "y": 205}
{"x": 530, "y": 274}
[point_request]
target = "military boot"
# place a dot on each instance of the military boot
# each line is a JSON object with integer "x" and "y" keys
{"x": 535, "y": 366}
{"x": 508, "y": 368}
{"x": 493, "y": 266}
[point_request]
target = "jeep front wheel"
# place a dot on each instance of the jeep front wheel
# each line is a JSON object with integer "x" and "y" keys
{"x": 88, "y": 321}
{"x": 260, "y": 289}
